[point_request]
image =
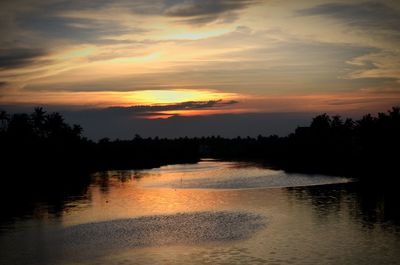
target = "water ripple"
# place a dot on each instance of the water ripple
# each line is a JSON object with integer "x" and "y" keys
{"x": 159, "y": 230}
{"x": 272, "y": 179}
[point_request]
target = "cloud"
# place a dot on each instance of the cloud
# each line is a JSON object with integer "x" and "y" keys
{"x": 206, "y": 7}
{"x": 89, "y": 20}
{"x": 382, "y": 64}
{"x": 380, "y": 22}
{"x": 18, "y": 57}
{"x": 266, "y": 63}
{"x": 206, "y": 11}
{"x": 78, "y": 30}
{"x": 369, "y": 15}
{"x": 145, "y": 110}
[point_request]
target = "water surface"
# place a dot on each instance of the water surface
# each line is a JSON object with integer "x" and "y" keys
{"x": 210, "y": 212}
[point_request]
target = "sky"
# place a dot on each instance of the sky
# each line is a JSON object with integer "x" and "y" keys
{"x": 199, "y": 67}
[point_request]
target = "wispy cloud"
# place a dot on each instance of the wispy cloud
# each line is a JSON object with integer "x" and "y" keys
{"x": 76, "y": 30}
{"x": 379, "y": 21}
{"x": 206, "y": 11}
{"x": 369, "y": 15}
{"x": 19, "y": 57}
{"x": 96, "y": 52}
{"x": 383, "y": 64}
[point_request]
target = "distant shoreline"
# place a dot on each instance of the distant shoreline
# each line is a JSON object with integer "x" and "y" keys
{"x": 36, "y": 145}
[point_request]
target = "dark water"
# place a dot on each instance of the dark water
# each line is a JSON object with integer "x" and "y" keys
{"x": 210, "y": 212}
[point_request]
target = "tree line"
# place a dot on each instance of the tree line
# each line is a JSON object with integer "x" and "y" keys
{"x": 364, "y": 148}
{"x": 43, "y": 143}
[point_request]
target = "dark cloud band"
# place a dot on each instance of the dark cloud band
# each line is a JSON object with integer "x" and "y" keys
{"x": 189, "y": 105}
{"x": 14, "y": 58}
{"x": 370, "y": 15}
{"x": 205, "y": 11}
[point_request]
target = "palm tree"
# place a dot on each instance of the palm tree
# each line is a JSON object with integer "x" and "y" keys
{"x": 38, "y": 119}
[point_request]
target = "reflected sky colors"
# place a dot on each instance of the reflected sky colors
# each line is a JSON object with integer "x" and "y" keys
{"x": 120, "y": 219}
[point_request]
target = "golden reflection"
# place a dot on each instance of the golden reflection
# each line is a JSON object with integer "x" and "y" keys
{"x": 116, "y": 195}
{"x": 123, "y": 200}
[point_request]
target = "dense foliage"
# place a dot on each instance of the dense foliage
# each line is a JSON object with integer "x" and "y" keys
{"x": 331, "y": 145}
{"x": 42, "y": 142}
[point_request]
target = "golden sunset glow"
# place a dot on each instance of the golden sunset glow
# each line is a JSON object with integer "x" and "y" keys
{"x": 130, "y": 98}
{"x": 287, "y": 57}
{"x": 174, "y": 96}
{"x": 199, "y": 132}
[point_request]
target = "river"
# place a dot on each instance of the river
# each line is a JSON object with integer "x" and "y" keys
{"x": 211, "y": 212}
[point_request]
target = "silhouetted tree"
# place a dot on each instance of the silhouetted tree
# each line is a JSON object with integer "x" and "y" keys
{"x": 329, "y": 145}
{"x": 4, "y": 119}
{"x": 321, "y": 122}
{"x": 39, "y": 120}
